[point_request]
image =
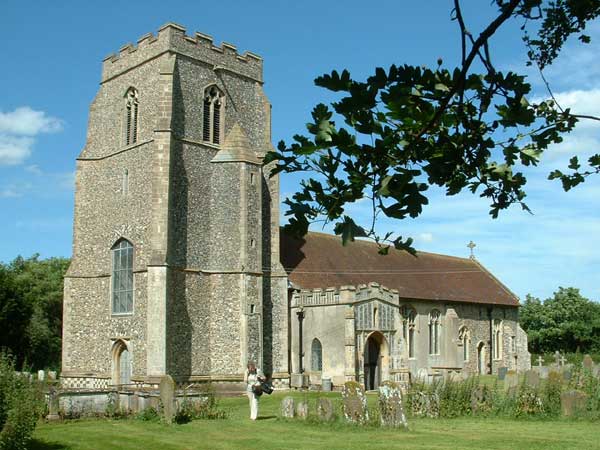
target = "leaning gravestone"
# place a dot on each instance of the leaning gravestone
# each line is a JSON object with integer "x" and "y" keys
{"x": 390, "y": 405}
{"x": 324, "y": 409}
{"x": 532, "y": 378}
{"x": 571, "y": 402}
{"x": 502, "y": 373}
{"x": 588, "y": 363}
{"x": 287, "y": 408}
{"x": 302, "y": 410}
{"x": 167, "y": 397}
{"x": 511, "y": 380}
{"x": 354, "y": 402}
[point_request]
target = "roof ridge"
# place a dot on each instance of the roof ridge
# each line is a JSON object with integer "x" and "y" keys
{"x": 329, "y": 235}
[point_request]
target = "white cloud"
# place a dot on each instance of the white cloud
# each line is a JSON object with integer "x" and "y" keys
{"x": 28, "y": 122}
{"x": 10, "y": 192}
{"x": 14, "y": 150}
{"x": 17, "y": 131}
{"x": 425, "y": 237}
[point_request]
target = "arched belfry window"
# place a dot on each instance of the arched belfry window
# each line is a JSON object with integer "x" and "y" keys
{"x": 212, "y": 122}
{"x": 434, "y": 332}
{"x": 131, "y": 116}
{"x": 122, "y": 277}
{"x": 316, "y": 353}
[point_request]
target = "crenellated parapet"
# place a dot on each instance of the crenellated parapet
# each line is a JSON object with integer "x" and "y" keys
{"x": 172, "y": 38}
{"x": 344, "y": 295}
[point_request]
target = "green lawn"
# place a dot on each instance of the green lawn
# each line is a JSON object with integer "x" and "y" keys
{"x": 237, "y": 431}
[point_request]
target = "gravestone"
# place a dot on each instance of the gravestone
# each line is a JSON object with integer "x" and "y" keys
{"x": 51, "y": 375}
{"x": 302, "y": 410}
{"x": 511, "y": 380}
{"x": 167, "y": 397}
{"x": 571, "y": 402}
{"x": 588, "y": 363}
{"x": 532, "y": 378}
{"x": 557, "y": 358}
{"x": 354, "y": 402}
{"x": 540, "y": 361}
{"x": 41, "y": 375}
{"x": 543, "y": 372}
{"x": 390, "y": 406}
{"x": 287, "y": 408}
{"x": 502, "y": 373}
{"x": 53, "y": 405}
{"x": 567, "y": 372}
{"x": 325, "y": 410}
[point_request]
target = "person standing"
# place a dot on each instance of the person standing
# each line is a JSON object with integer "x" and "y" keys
{"x": 252, "y": 377}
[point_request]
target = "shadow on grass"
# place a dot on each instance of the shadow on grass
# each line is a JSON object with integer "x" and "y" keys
{"x": 266, "y": 418}
{"x": 36, "y": 444}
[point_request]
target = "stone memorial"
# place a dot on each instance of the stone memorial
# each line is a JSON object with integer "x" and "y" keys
{"x": 354, "y": 402}
{"x": 532, "y": 378}
{"x": 588, "y": 363}
{"x": 325, "y": 411}
{"x": 287, "y": 408}
{"x": 302, "y": 410}
{"x": 511, "y": 380}
{"x": 502, "y": 373}
{"x": 167, "y": 398}
{"x": 41, "y": 375}
{"x": 390, "y": 406}
{"x": 53, "y": 405}
{"x": 51, "y": 375}
{"x": 571, "y": 402}
{"x": 543, "y": 372}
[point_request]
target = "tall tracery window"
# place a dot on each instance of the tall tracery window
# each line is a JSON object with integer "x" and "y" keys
{"x": 497, "y": 339}
{"x": 316, "y": 353}
{"x": 434, "y": 332}
{"x": 212, "y": 115}
{"x": 131, "y": 116}
{"x": 464, "y": 338}
{"x": 122, "y": 277}
{"x": 408, "y": 329}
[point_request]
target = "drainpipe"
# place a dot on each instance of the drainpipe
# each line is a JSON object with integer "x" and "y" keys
{"x": 300, "y": 315}
{"x": 490, "y": 309}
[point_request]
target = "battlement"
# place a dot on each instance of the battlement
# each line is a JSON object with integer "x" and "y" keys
{"x": 343, "y": 294}
{"x": 172, "y": 38}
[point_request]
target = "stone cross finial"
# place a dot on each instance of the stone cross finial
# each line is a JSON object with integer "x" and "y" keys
{"x": 540, "y": 361}
{"x": 471, "y": 246}
{"x": 562, "y": 360}
{"x": 557, "y": 357}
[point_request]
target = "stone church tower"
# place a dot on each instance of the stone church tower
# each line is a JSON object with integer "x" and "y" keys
{"x": 175, "y": 264}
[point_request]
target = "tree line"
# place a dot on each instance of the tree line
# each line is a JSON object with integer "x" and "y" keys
{"x": 31, "y": 295}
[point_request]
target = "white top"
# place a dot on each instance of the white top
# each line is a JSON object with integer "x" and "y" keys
{"x": 252, "y": 378}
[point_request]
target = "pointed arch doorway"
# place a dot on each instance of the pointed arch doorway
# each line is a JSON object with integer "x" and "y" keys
{"x": 376, "y": 360}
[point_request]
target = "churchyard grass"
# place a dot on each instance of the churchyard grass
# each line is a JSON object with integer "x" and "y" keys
{"x": 237, "y": 431}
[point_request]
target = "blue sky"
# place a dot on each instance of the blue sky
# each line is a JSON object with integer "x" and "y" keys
{"x": 52, "y": 53}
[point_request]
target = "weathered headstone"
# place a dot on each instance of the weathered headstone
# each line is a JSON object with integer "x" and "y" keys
{"x": 41, "y": 375}
{"x": 325, "y": 409}
{"x": 572, "y": 402}
{"x": 588, "y": 363}
{"x": 302, "y": 410}
{"x": 354, "y": 402}
{"x": 532, "y": 378}
{"x": 502, "y": 373}
{"x": 567, "y": 372}
{"x": 167, "y": 397}
{"x": 390, "y": 405}
{"x": 51, "y": 375}
{"x": 287, "y": 408}
{"x": 543, "y": 372}
{"x": 53, "y": 405}
{"x": 511, "y": 380}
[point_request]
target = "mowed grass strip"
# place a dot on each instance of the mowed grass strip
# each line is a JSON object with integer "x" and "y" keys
{"x": 238, "y": 432}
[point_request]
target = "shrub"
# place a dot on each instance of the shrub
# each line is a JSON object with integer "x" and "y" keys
{"x": 20, "y": 406}
{"x": 148, "y": 414}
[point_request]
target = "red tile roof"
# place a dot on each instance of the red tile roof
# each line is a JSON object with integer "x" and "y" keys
{"x": 320, "y": 261}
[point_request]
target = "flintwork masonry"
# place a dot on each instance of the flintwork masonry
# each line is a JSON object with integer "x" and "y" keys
{"x": 176, "y": 264}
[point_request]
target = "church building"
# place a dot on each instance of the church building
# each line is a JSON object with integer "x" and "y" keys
{"x": 179, "y": 266}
